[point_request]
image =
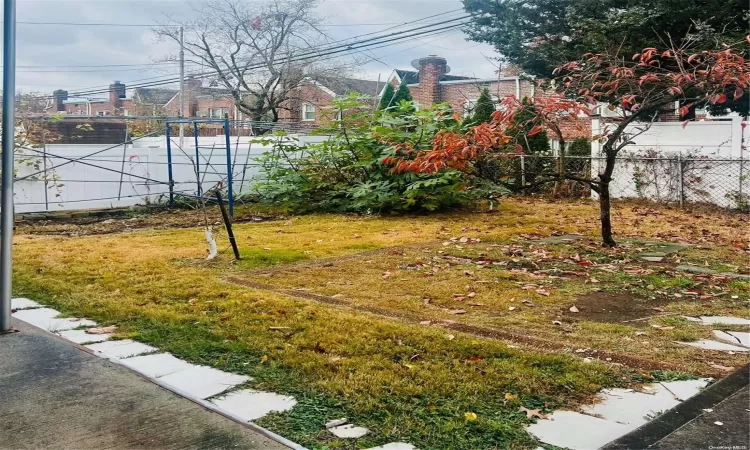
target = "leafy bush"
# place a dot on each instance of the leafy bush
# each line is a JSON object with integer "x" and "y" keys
{"x": 346, "y": 172}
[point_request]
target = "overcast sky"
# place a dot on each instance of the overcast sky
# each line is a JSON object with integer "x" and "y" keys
{"x": 54, "y": 56}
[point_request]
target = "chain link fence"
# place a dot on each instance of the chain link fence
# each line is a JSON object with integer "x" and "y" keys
{"x": 675, "y": 179}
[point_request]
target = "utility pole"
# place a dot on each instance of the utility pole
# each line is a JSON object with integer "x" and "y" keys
{"x": 182, "y": 86}
{"x": 8, "y": 136}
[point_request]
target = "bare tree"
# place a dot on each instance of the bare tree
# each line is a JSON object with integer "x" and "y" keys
{"x": 261, "y": 51}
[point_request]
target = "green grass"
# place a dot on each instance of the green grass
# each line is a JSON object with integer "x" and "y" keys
{"x": 405, "y": 382}
{"x": 253, "y": 258}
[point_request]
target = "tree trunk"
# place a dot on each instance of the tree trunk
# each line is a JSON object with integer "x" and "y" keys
{"x": 604, "y": 198}
{"x": 605, "y": 216}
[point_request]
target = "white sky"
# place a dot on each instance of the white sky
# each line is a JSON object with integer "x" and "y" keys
{"x": 56, "y": 46}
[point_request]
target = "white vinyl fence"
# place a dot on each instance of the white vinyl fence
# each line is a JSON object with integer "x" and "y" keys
{"x": 110, "y": 176}
{"x": 703, "y": 161}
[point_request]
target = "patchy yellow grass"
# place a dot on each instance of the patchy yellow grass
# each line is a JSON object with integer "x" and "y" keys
{"x": 407, "y": 382}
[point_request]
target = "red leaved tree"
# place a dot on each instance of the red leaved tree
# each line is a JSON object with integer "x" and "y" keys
{"x": 640, "y": 88}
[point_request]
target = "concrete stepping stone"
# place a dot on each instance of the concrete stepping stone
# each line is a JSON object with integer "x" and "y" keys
{"x": 742, "y": 336}
{"x": 684, "y": 389}
{"x": 250, "y": 405}
{"x": 631, "y": 408}
{"x": 563, "y": 239}
{"x": 203, "y": 382}
{"x": 46, "y": 319}
{"x": 349, "y": 431}
{"x": 121, "y": 349}
{"x": 706, "y": 344}
{"x": 395, "y": 446}
{"x": 653, "y": 258}
{"x": 705, "y": 270}
{"x": 23, "y": 303}
{"x": 156, "y": 365}
{"x": 718, "y": 320}
{"x": 81, "y": 337}
{"x": 724, "y": 320}
{"x": 577, "y": 431}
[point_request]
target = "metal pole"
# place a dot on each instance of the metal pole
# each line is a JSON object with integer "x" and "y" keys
{"x": 197, "y": 158}
{"x": 682, "y": 186}
{"x": 8, "y": 136}
{"x": 169, "y": 165}
{"x": 44, "y": 167}
{"x": 182, "y": 88}
{"x": 124, "y": 155}
{"x": 230, "y": 194}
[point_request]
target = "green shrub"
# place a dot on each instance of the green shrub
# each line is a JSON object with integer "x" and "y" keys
{"x": 346, "y": 172}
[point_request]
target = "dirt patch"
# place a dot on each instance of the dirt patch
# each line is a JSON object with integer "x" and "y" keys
{"x": 153, "y": 220}
{"x": 551, "y": 346}
{"x": 614, "y": 307}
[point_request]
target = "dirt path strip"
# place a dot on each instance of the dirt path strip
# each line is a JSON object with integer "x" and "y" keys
{"x": 484, "y": 332}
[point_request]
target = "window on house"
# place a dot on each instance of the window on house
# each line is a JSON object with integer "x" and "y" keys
{"x": 218, "y": 113}
{"x": 126, "y": 112}
{"x": 101, "y": 113}
{"x": 308, "y": 112}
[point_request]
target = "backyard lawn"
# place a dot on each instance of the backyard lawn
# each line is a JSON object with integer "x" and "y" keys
{"x": 432, "y": 330}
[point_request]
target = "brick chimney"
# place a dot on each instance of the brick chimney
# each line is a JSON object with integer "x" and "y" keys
{"x": 116, "y": 94}
{"x": 60, "y": 96}
{"x": 431, "y": 68}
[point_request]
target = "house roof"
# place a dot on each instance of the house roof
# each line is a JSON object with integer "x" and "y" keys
{"x": 344, "y": 86}
{"x": 412, "y": 77}
{"x": 212, "y": 92}
{"x": 157, "y": 96}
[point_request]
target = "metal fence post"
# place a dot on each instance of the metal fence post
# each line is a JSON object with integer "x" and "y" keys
{"x": 44, "y": 166}
{"x": 124, "y": 155}
{"x": 197, "y": 158}
{"x": 230, "y": 193}
{"x": 169, "y": 166}
{"x": 523, "y": 171}
{"x": 681, "y": 187}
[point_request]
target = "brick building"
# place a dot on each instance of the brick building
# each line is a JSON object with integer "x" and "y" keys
{"x": 310, "y": 103}
{"x": 431, "y": 84}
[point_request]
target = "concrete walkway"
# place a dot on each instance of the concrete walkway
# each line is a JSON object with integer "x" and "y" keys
{"x": 717, "y": 418}
{"x": 54, "y": 394}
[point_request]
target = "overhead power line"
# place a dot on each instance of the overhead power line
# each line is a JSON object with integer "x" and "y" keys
{"x": 321, "y": 52}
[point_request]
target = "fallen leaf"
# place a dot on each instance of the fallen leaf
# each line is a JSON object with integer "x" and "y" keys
{"x": 470, "y": 416}
{"x": 279, "y": 328}
{"x": 511, "y": 308}
{"x": 386, "y": 275}
{"x": 718, "y": 423}
{"x": 457, "y": 311}
{"x": 532, "y": 413}
{"x": 102, "y": 330}
{"x": 475, "y": 359}
{"x": 542, "y": 292}
{"x": 510, "y": 397}
{"x": 658, "y": 309}
{"x": 659, "y": 327}
{"x": 264, "y": 359}
{"x": 528, "y": 303}
{"x": 426, "y": 300}
{"x": 573, "y": 309}
{"x": 449, "y": 322}
{"x": 556, "y": 322}
{"x": 425, "y": 322}
{"x": 724, "y": 368}
{"x": 356, "y": 236}
{"x": 450, "y": 337}
{"x": 476, "y": 304}
{"x": 472, "y": 294}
